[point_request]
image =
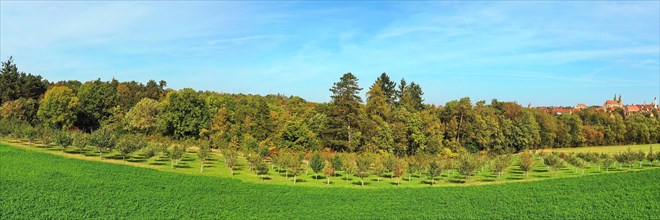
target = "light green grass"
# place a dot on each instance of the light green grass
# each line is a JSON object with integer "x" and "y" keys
{"x": 36, "y": 185}
{"x": 608, "y": 149}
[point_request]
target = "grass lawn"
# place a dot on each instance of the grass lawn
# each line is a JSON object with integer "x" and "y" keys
{"x": 36, "y": 185}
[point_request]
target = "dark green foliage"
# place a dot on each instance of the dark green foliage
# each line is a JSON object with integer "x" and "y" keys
{"x": 83, "y": 189}
{"x": 389, "y": 88}
{"x": 262, "y": 169}
{"x": 97, "y": 98}
{"x": 343, "y": 121}
{"x": 17, "y": 84}
{"x": 411, "y": 96}
{"x": 317, "y": 164}
{"x": 651, "y": 156}
{"x": 186, "y": 114}
{"x": 337, "y": 163}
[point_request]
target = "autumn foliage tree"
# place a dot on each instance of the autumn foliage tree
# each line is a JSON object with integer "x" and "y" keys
{"x": 58, "y": 107}
{"x": 329, "y": 171}
{"x": 526, "y": 162}
{"x": 363, "y": 162}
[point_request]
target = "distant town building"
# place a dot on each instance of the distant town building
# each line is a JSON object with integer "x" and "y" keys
{"x": 609, "y": 106}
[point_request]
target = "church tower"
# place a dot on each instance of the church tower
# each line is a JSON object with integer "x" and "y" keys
{"x": 620, "y": 103}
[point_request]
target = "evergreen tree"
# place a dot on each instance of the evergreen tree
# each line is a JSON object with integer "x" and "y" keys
{"x": 388, "y": 87}
{"x": 317, "y": 164}
{"x": 344, "y": 115}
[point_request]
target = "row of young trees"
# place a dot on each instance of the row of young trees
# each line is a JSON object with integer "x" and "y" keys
{"x": 393, "y": 119}
{"x": 294, "y": 163}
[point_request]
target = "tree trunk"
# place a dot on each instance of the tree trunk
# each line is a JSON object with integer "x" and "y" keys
{"x": 362, "y": 181}
{"x": 101, "y": 155}
{"x": 328, "y": 180}
{"x": 317, "y": 176}
{"x": 201, "y": 167}
{"x": 409, "y": 177}
{"x": 295, "y": 178}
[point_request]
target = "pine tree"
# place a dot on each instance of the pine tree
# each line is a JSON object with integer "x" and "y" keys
{"x": 388, "y": 87}
{"x": 344, "y": 114}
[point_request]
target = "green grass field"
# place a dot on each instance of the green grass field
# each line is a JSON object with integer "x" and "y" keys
{"x": 36, "y": 185}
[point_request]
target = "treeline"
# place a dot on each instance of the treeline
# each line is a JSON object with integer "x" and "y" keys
{"x": 392, "y": 119}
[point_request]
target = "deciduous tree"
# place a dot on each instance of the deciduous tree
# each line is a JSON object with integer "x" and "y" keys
{"x": 526, "y": 162}
{"x": 203, "y": 153}
{"x": 363, "y": 163}
{"x": 434, "y": 170}
{"x": 143, "y": 117}
{"x": 103, "y": 140}
{"x": 329, "y": 171}
{"x": 57, "y": 108}
{"x": 63, "y": 138}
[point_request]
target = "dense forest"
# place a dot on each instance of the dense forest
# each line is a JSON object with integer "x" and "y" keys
{"x": 392, "y": 119}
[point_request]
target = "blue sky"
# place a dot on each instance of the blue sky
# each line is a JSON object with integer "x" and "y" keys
{"x": 546, "y": 53}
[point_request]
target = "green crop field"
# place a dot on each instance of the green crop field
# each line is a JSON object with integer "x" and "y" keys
{"x": 36, "y": 185}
